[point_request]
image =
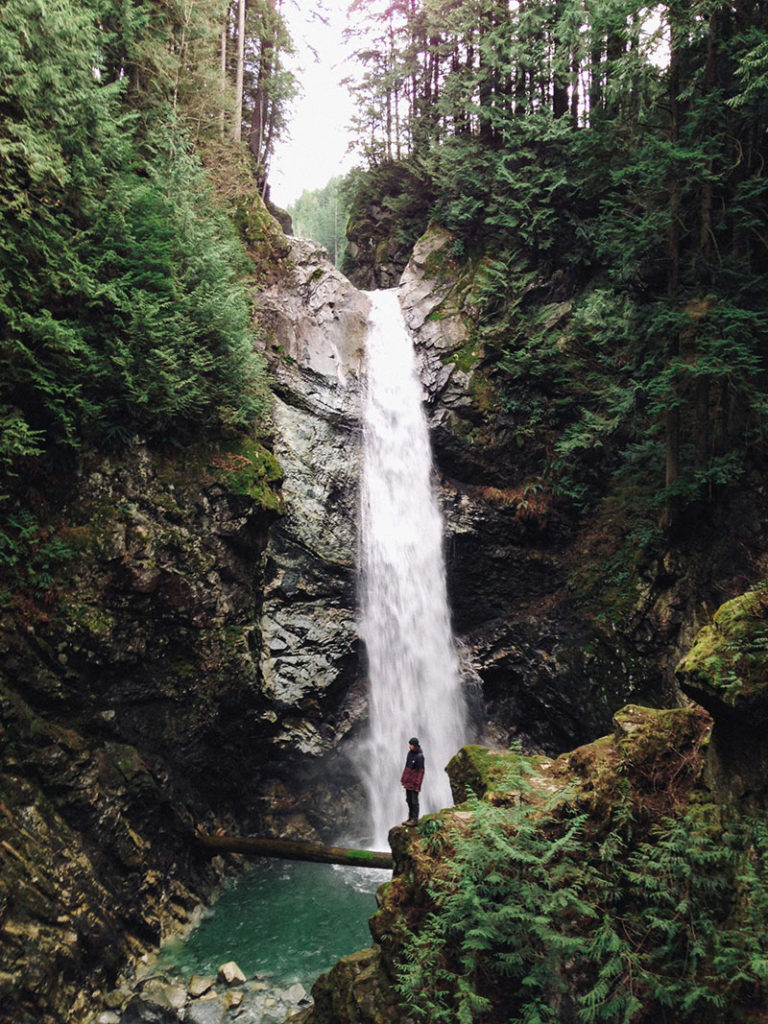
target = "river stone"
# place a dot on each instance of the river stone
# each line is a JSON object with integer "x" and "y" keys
{"x": 233, "y": 999}
{"x": 231, "y": 974}
{"x": 296, "y": 993}
{"x": 200, "y": 984}
{"x": 210, "y": 1012}
{"x": 139, "y": 1010}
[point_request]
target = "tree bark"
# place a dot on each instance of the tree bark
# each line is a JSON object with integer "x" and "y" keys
{"x": 237, "y": 128}
{"x": 223, "y": 72}
{"x": 290, "y": 850}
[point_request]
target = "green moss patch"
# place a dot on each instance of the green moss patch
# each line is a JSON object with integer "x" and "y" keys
{"x": 727, "y": 667}
{"x": 248, "y": 469}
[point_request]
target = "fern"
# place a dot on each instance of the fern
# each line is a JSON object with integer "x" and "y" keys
{"x": 531, "y": 912}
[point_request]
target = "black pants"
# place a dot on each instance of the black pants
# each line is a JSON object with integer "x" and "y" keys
{"x": 412, "y": 797}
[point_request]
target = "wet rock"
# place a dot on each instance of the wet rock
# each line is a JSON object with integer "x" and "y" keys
{"x": 230, "y": 974}
{"x": 210, "y": 1012}
{"x": 142, "y": 1009}
{"x": 164, "y": 994}
{"x": 200, "y": 984}
{"x": 309, "y": 660}
{"x": 296, "y": 994}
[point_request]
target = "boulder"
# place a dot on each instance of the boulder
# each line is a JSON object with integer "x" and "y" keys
{"x": 200, "y": 984}
{"x": 212, "y": 1011}
{"x": 230, "y": 974}
{"x": 141, "y": 1009}
{"x": 726, "y": 671}
{"x": 356, "y": 989}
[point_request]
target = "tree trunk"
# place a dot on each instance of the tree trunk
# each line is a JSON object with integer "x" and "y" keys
{"x": 672, "y": 424}
{"x": 290, "y": 850}
{"x": 237, "y": 128}
{"x": 223, "y": 69}
{"x": 560, "y": 68}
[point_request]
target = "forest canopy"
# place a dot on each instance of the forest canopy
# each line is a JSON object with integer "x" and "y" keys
{"x": 124, "y": 293}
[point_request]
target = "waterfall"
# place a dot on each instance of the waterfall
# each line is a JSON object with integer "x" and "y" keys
{"x": 412, "y": 663}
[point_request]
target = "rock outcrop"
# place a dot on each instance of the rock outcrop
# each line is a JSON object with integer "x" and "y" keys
{"x": 726, "y": 671}
{"x": 316, "y": 321}
{"x": 671, "y": 808}
{"x": 179, "y": 659}
{"x": 649, "y": 766}
{"x": 129, "y": 705}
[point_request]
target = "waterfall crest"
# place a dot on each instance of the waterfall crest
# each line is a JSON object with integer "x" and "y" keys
{"x": 412, "y": 663}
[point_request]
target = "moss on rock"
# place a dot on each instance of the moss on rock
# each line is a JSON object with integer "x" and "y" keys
{"x": 354, "y": 991}
{"x": 726, "y": 670}
{"x": 250, "y": 470}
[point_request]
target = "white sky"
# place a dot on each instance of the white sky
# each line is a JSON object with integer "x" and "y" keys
{"x": 317, "y": 149}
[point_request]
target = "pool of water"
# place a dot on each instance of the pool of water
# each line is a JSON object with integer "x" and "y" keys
{"x": 286, "y": 920}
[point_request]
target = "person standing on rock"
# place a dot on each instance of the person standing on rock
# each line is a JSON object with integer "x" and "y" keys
{"x": 411, "y": 779}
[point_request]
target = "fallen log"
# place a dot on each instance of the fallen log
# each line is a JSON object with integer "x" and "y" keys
{"x": 290, "y": 850}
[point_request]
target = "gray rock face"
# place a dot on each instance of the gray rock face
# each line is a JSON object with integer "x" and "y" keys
{"x": 316, "y": 327}
{"x": 309, "y": 653}
{"x": 437, "y": 326}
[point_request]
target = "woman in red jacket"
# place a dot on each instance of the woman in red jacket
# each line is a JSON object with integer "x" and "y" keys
{"x": 411, "y": 778}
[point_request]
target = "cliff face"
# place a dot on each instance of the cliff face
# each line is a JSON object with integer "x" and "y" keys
{"x": 315, "y": 325}
{"x": 194, "y": 658}
{"x": 556, "y": 652}
{"x": 130, "y": 709}
{"x": 545, "y": 673}
{"x": 192, "y": 661}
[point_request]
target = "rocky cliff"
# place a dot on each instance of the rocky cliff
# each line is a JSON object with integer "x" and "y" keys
{"x": 192, "y": 656}
{"x": 130, "y": 709}
{"x": 315, "y": 325}
{"x": 556, "y": 645}
{"x": 181, "y": 652}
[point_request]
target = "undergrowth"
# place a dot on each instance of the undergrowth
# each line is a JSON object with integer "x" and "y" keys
{"x": 535, "y": 920}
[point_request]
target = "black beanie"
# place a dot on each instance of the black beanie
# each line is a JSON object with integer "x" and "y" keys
{"x": 413, "y": 742}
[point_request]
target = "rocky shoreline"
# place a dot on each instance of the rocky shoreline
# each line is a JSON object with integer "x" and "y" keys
{"x": 163, "y": 997}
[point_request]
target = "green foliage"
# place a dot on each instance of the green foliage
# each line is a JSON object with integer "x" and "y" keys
{"x": 123, "y": 303}
{"x": 609, "y": 198}
{"x": 532, "y": 917}
{"x": 31, "y": 555}
{"x": 322, "y": 216}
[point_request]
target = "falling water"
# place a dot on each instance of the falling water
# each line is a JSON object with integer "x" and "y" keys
{"x": 412, "y": 663}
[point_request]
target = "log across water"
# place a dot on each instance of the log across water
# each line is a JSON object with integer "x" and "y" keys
{"x": 290, "y": 850}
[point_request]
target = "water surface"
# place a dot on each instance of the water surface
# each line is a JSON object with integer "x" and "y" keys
{"x": 287, "y": 920}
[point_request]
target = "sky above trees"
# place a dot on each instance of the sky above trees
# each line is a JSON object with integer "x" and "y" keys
{"x": 317, "y": 148}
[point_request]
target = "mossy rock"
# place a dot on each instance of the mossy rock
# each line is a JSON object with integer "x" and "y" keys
{"x": 250, "y": 470}
{"x": 476, "y": 769}
{"x": 484, "y": 772}
{"x": 355, "y": 990}
{"x": 726, "y": 670}
{"x": 646, "y": 735}
{"x": 650, "y": 764}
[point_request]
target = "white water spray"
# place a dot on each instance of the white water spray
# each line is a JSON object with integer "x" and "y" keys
{"x": 412, "y": 664}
